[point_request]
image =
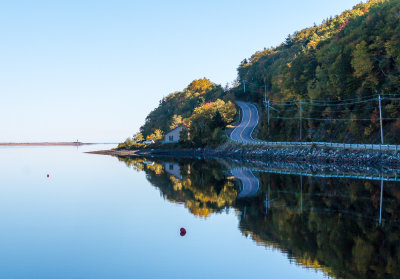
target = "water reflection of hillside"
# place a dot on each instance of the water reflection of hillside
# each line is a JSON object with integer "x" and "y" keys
{"x": 202, "y": 188}
{"x": 348, "y": 228}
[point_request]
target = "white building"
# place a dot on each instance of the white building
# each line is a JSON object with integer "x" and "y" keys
{"x": 173, "y": 135}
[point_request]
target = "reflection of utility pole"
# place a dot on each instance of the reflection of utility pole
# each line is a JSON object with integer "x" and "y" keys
{"x": 267, "y": 201}
{"x": 380, "y": 206}
{"x": 301, "y": 194}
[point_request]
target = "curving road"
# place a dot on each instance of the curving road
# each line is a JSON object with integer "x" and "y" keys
{"x": 250, "y": 119}
{"x": 242, "y": 133}
{"x": 250, "y": 183}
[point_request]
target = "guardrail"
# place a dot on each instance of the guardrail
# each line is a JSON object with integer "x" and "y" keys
{"x": 381, "y": 147}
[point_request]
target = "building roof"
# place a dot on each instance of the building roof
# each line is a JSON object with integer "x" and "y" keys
{"x": 180, "y": 126}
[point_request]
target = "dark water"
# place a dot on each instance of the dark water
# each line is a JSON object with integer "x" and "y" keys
{"x": 105, "y": 217}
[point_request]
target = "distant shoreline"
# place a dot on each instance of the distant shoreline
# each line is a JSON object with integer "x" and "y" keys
{"x": 43, "y": 143}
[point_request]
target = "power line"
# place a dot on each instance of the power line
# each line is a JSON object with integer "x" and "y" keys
{"x": 362, "y": 97}
{"x": 289, "y": 110}
{"x": 325, "y": 104}
{"x": 390, "y": 94}
{"x": 391, "y": 99}
{"x": 332, "y": 119}
{"x": 341, "y": 104}
{"x": 325, "y": 119}
{"x": 329, "y": 111}
{"x": 256, "y": 84}
{"x": 325, "y": 111}
{"x": 344, "y": 100}
{"x": 286, "y": 104}
{"x": 322, "y": 103}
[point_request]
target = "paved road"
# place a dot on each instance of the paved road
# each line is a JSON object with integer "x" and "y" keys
{"x": 249, "y": 121}
{"x": 250, "y": 183}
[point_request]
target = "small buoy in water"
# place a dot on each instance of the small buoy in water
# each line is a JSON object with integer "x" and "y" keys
{"x": 183, "y": 231}
{"x": 48, "y": 175}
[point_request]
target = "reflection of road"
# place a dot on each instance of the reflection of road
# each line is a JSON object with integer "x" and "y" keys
{"x": 250, "y": 183}
{"x": 249, "y": 121}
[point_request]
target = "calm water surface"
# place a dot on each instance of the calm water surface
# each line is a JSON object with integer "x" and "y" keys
{"x": 103, "y": 217}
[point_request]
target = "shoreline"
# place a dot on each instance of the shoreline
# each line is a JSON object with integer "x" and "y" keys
{"x": 314, "y": 155}
{"x": 259, "y": 163}
{"x": 43, "y": 143}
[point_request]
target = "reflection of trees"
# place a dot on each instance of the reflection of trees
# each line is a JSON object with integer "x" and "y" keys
{"x": 326, "y": 224}
{"x": 140, "y": 164}
{"x": 203, "y": 188}
{"x": 337, "y": 228}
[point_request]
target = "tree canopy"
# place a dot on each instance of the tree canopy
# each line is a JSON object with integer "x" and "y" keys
{"x": 355, "y": 56}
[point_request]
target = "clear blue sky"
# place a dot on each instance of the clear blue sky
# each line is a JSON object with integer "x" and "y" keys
{"x": 93, "y": 70}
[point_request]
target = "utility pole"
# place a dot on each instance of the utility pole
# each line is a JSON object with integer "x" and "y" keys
{"x": 244, "y": 86}
{"x": 266, "y": 101}
{"x": 265, "y": 93}
{"x": 380, "y": 117}
{"x": 301, "y": 118}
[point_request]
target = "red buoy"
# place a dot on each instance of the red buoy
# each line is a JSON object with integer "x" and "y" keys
{"x": 48, "y": 175}
{"x": 183, "y": 231}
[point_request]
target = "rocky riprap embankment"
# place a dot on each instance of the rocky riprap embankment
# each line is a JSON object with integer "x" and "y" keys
{"x": 308, "y": 154}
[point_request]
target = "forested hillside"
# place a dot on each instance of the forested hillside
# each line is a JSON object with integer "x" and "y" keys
{"x": 337, "y": 70}
{"x": 323, "y": 81}
{"x": 203, "y": 108}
